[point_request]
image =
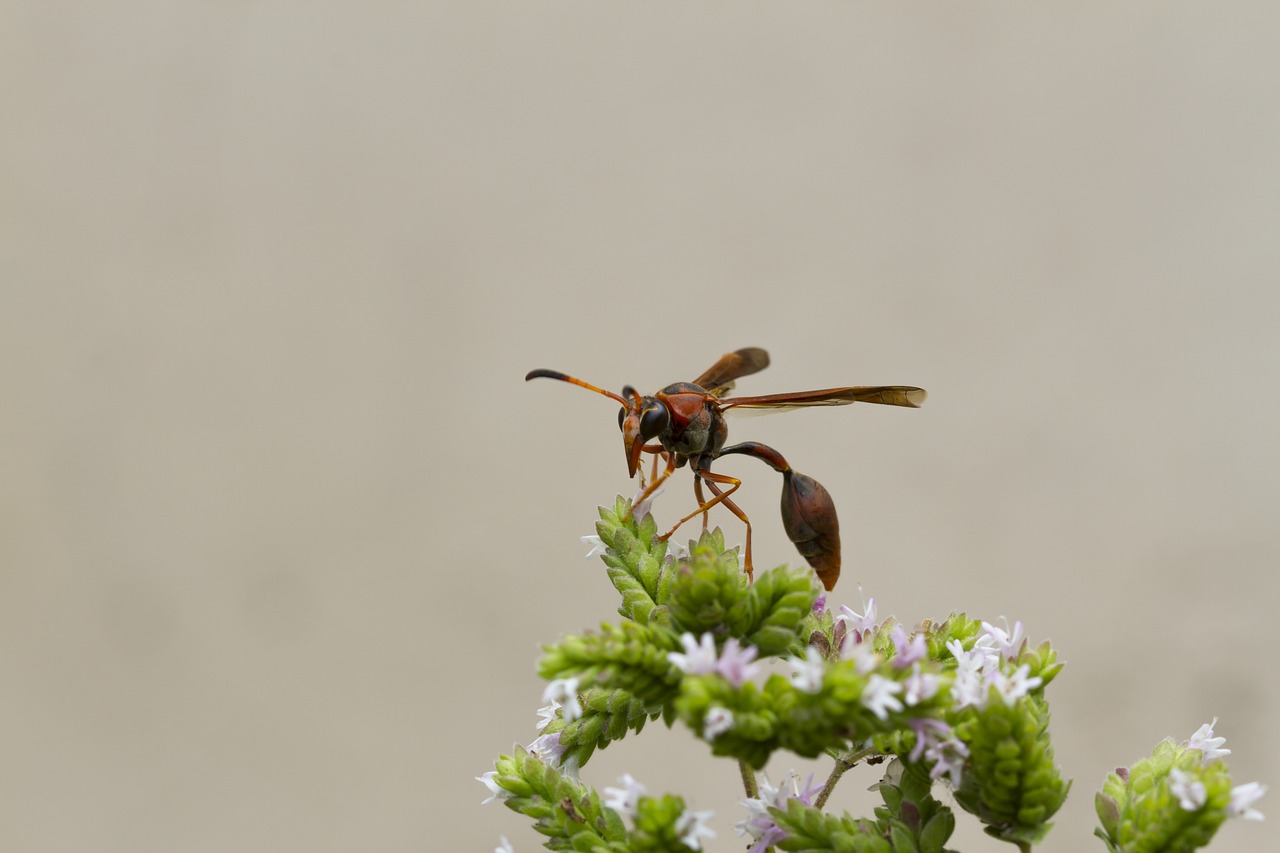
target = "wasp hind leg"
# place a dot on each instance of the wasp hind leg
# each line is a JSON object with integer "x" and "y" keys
{"x": 701, "y": 473}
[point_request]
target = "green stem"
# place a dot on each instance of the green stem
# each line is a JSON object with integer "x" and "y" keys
{"x": 843, "y": 763}
{"x": 748, "y": 780}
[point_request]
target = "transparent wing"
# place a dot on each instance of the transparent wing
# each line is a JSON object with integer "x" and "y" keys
{"x": 885, "y": 395}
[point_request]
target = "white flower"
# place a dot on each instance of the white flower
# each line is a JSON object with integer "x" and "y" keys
{"x": 496, "y": 792}
{"x": 907, "y": 651}
{"x": 919, "y": 686}
{"x": 759, "y": 824}
{"x": 948, "y": 757}
{"x": 969, "y": 688}
{"x": 504, "y": 847}
{"x": 1009, "y": 642}
{"x": 564, "y": 692}
{"x": 640, "y": 510}
{"x": 854, "y": 621}
{"x": 546, "y": 714}
{"x": 691, "y": 826}
{"x": 1210, "y": 747}
{"x": 1013, "y": 687}
{"x": 717, "y": 721}
{"x": 597, "y": 546}
{"x": 865, "y": 659}
{"x": 735, "y": 662}
{"x": 626, "y": 799}
{"x": 699, "y": 657}
{"x": 549, "y": 750}
{"x": 1243, "y": 797}
{"x": 879, "y": 698}
{"x": 973, "y": 660}
{"x": 806, "y": 673}
{"x": 1190, "y": 792}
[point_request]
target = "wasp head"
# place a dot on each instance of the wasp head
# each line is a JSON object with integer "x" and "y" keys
{"x": 642, "y": 419}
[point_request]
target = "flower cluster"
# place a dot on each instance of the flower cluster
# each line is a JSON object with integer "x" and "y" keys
{"x": 760, "y": 823}
{"x": 752, "y": 669}
{"x": 1175, "y": 799}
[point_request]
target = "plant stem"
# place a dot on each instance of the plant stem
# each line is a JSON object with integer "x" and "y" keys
{"x": 843, "y": 763}
{"x": 748, "y": 780}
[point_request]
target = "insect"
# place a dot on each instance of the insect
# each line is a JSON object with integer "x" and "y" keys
{"x": 687, "y": 419}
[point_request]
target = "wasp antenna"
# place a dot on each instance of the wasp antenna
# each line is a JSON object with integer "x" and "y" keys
{"x": 564, "y": 377}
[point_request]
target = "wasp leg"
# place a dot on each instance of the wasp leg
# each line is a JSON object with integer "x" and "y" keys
{"x": 646, "y": 492}
{"x": 723, "y": 497}
{"x": 701, "y": 472}
{"x": 697, "y": 493}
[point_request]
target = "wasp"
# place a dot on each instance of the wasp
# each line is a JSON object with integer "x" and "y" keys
{"x": 687, "y": 420}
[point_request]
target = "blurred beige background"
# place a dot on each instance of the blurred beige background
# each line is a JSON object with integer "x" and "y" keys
{"x": 283, "y": 527}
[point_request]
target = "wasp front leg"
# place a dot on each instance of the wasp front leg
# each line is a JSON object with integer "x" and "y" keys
{"x": 655, "y": 480}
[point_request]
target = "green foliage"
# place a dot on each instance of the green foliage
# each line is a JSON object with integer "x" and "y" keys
{"x": 572, "y": 817}
{"x": 848, "y": 701}
{"x": 708, "y": 593}
{"x": 1141, "y": 813}
{"x": 910, "y": 816}
{"x": 910, "y": 821}
{"x": 625, "y": 672}
{"x": 563, "y": 809}
{"x": 636, "y": 560}
{"x": 1010, "y": 782}
{"x": 810, "y": 830}
{"x": 657, "y": 825}
{"x": 782, "y": 716}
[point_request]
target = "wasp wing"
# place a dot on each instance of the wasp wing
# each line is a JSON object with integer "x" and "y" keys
{"x": 887, "y": 395}
{"x": 718, "y": 378}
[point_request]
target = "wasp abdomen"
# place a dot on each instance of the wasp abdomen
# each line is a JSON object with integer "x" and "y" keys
{"x": 809, "y": 517}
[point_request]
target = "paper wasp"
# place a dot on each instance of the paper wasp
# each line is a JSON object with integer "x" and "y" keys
{"x": 687, "y": 419}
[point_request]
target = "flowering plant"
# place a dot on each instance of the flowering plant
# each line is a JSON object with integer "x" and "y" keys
{"x": 958, "y": 702}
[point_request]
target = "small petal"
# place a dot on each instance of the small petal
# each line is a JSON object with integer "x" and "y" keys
{"x": 496, "y": 792}
{"x": 1190, "y": 792}
{"x": 625, "y": 800}
{"x": 948, "y": 757}
{"x": 1210, "y": 747}
{"x": 564, "y": 691}
{"x": 597, "y": 546}
{"x": 1013, "y": 687}
{"x": 860, "y": 622}
{"x": 1008, "y": 642}
{"x": 699, "y": 656}
{"x": 504, "y": 847}
{"x": 879, "y": 698}
{"x": 640, "y": 510}
{"x": 1243, "y": 797}
{"x": 806, "y": 673}
{"x": 548, "y": 749}
{"x": 717, "y": 721}
{"x": 692, "y": 826}
{"x": 735, "y": 662}
{"x": 907, "y": 651}
{"x": 919, "y": 686}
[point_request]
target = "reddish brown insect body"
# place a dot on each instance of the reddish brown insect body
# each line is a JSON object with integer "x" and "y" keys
{"x": 687, "y": 419}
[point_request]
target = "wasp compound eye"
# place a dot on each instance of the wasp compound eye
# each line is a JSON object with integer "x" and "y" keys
{"x": 622, "y": 415}
{"x": 654, "y": 420}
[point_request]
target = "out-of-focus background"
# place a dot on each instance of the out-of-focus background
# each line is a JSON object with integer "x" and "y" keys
{"x": 282, "y": 526}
